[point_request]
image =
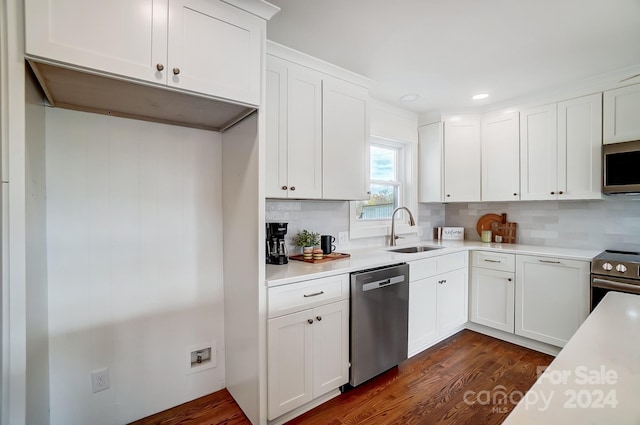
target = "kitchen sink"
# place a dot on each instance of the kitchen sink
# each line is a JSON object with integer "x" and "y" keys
{"x": 413, "y": 249}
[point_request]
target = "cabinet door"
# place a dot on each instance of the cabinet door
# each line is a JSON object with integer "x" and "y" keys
{"x": 580, "y": 148}
{"x": 462, "y": 161}
{"x": 538, "y": 153}
{"x": 304, "y": 128}
{"x": 330, "y": 347}
{"x": 452, "y": 300}
{"x": 622, "y": 114}
{"x": 500, "y": 157}
{"x": 552, "y": 298}
{"x": 492, "y": 298}
{"x": 423, "y": 325}
{"x": 215, "y": 48}
{"x": 289, "y": 352}
{"x": 123, "y": 37}
{"x": 430, "y": 163}
{"x": 276, "y": 185}
{"x": 345, "y": 141}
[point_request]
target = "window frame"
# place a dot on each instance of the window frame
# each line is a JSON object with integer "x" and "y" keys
{"x": 407, "y": 178}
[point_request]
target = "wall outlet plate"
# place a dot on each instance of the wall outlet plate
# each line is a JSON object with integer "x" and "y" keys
{"x": 208, "y": 356}
{"x": 100, "y": 380}
{"x": 343, "y": 238}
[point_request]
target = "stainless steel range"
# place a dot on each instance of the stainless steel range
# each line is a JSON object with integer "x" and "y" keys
{"x": 614, "y": 271}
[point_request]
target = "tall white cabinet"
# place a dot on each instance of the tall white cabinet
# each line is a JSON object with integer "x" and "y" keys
{"x": 317, "y": 133}
{"x": 430, "y": 162}
{"x": 500, "y": 156}
{"x": 462, "y": 160}
{"x": 294, "y": 131}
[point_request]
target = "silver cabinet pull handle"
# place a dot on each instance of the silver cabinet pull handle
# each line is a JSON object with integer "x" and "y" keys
{"x": 315, "y": 294}
{"x": 550, "y": 262}
{"x": 176, "y": 71}
{"x": 492, "y": 261}
{"x": 160, "y": 67}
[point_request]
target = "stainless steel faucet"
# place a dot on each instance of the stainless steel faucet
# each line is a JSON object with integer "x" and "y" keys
{"x": 412, "y": 222}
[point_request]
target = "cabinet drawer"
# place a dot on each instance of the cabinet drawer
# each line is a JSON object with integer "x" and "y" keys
{"x": 421, "y": 269}
{"x": 450, "y": 262}
{"x": 294, "y": 297}
{"x": 494, "y": 261}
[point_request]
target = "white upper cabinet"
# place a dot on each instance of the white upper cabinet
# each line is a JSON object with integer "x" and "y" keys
{"x": 203, "y": 46}
{"x": 580, "y": 148}
{"x": 430, "y": 163}
{"x": 317, "y": 127}
{"x": 560, "y": 147}
{"x": 500, "y": 156}
{"x": 345, "y": 141}
{"x": 538, "y": 153}
{"x": 214, "y": 48}
{"x": 622, "y": 114}
{"x": 462, "y": 160}
{"x": 294, "y": 131}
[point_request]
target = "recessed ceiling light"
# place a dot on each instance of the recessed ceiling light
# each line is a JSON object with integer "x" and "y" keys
{"x": 409, "y": 98}
{"x": 480, "y": 96}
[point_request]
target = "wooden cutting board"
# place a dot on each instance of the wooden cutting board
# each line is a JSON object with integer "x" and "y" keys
{"x": 329, "y": 257}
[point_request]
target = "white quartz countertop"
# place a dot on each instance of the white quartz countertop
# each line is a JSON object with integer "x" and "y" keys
{"x": 365, "y": 258}
{"x": 595, "y": 379}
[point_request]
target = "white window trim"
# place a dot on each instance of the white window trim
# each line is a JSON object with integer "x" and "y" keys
{"x": 377, "y": 228}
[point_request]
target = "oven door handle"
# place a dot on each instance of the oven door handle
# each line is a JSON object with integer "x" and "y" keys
{"x": 610, "y": 284}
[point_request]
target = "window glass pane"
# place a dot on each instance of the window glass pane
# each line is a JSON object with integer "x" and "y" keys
{"x": 383, "y": 163}
{"x": 383, "y": 200}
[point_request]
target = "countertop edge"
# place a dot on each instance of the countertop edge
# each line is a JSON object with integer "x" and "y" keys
{"x": 371, "y": 257}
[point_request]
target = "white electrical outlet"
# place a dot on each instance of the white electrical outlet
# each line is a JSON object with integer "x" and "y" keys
{"x": 343, "y": 238}
{"x": 100, "y": 380}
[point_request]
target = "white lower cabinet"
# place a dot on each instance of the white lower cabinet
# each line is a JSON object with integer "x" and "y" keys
{"x": 492, "y": 294}
{"x": 552, "y": 298}
{"x": 307, "y": 350}
{"x": 437, "y": 299}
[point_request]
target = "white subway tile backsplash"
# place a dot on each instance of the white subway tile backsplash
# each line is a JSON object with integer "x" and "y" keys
{"x": 612, "y": 223}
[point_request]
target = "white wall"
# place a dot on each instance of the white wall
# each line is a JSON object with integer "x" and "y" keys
{"x": 134, "y": 231}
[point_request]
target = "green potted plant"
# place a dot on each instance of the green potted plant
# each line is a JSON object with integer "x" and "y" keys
{"x": 306, "y": 239}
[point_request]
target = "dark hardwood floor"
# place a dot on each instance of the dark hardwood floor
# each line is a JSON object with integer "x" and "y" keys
{"x": 438, "y": 386}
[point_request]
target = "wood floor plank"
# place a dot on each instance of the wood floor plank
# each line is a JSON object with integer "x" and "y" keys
{"x": 438, "y": 386}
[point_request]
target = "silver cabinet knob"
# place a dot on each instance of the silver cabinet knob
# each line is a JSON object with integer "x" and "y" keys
{"x": 176, "y": 71}
{"x": 318, "y": 318}
{"x": 284, "y": 188}
{"x": 293, "y": 188}
{"x": 561, "y": 193}
{"x": 442, "y": 281}
{"x": 159, "y": 67}
{"x": 621, "y": 268}
{"x": 509, "y": 279}
{"x": 309, "y": 321}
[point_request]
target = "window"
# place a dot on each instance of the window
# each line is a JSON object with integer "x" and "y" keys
{"x": 385, "y": 184}
{"x": 390, "y": 187}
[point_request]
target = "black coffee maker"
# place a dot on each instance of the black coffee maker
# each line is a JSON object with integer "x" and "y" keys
{"x": 276, "y": 246}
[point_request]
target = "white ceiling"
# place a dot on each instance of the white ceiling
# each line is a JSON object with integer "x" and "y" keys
{"x": 448, "y": 50}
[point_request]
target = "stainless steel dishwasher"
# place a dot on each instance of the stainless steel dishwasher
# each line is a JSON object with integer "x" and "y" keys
{"x": 379, "y": 320}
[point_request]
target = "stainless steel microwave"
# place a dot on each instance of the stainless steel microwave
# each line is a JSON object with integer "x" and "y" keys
{"x": 621, "y": 168}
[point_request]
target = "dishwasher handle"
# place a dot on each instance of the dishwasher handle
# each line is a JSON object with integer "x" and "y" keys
{"x": 383, "y": 283}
